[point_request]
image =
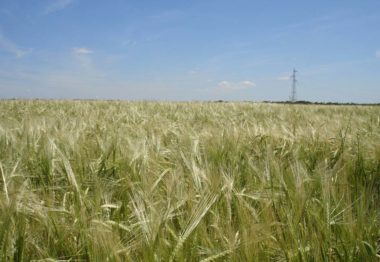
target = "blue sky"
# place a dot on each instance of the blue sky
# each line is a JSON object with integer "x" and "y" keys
{"x": 190, "y": 50}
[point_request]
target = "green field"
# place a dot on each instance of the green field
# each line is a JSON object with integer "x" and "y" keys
{"x": 155, "y": 181}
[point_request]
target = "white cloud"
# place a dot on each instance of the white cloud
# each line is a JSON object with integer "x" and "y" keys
{"x": 129, "y": 42}
{"x": 247, "y": 84}
{"x": 234, "y": 86}
{"x": 378, "y": 54}
{"x": 193, "y": 72}
{"x": 7, "y": 45}
{"x": 57, "y": 5}
{"x": 82, "y": 51}
{"x": 83, "y": 56}
{"x": 283, "y": 78}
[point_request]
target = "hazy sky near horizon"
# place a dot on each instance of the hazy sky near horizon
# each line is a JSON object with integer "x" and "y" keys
{"x": 190, "y": 50}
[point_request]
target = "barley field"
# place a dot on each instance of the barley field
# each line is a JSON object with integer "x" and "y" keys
{"x": 165, "y": 181}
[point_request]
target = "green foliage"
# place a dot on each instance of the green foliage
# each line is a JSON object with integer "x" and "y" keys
{"x": 150, "y": 181}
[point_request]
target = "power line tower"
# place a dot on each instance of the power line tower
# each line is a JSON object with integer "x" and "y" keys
{"x": 293, "y": 95}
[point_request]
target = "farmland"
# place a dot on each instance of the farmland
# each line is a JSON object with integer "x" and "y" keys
{"x": 166, "y": 181}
